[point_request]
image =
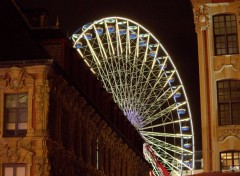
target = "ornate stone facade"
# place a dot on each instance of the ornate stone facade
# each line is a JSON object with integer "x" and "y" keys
{"x": 65, "y": 134}
{"x": 216, "y": 138}
{"x": 83, "y": 140}
{"x": 28, "y": 149}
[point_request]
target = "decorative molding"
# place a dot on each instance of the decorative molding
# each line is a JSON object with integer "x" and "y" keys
{"x": 224, "y": 133}
{"x": 16, "y": 78}
{"x": 3, "y": 149}
{"x": 221, "y": 61}
{"x": 25, "y": 144}
{"x": 201, "y": 18}
{"x": 39, "y": 169}
{"x": 235, "y": 61}
{"x": 15, "y": 151}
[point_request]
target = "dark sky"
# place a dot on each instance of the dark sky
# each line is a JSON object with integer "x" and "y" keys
{"x": 171, "y": 21}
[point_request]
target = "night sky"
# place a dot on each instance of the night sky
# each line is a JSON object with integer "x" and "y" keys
{"x": 171, "y": 21}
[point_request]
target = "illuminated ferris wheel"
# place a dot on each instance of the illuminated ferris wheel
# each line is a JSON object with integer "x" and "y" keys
{"x": 136, "y": 69}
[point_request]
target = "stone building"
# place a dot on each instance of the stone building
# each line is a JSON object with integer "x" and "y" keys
{"x": 217, "y": 27}
{"x": 55, "y": 117}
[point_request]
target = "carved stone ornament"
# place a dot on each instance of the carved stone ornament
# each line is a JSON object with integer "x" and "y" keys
{"x": 9, "y": 152}
{"x": 221, "y": 61}
{"x": 25, "y": 144}
{"x": 16, "y": 78}
{"x": 3, "y": 149}
{"x": 228, "y": 132}
{"x": 201, "y": 18}
{"x": 39, "y": 166}
{"x": 13, "y": 152}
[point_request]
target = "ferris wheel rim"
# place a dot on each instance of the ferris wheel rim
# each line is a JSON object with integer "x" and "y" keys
{"x": 89, "y": 26}
{"x": 123, "y": 18}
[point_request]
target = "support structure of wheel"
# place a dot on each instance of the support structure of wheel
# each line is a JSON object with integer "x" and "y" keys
{"x": 143, "y": 80}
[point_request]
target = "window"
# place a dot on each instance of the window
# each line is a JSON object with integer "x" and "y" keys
{"x": 225, "y": 34}
{"x": 15, "y": 114}
{"x": 14, "y": 169}
{"x": 229, "y": 102}
{"x": 230, "y": 161}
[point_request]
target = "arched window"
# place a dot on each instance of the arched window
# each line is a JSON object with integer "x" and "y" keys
{"x": 225, "y": 34}
{"x": 228, "y": 102}
{"x": 230, "y": 161}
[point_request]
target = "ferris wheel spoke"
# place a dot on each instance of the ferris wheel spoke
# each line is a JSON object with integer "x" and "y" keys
{"x": 115, "y": 90}
{"x": 121, "y": 82}
{"x": 167, "y": 159}
{"x": 156, "y": 169}
{"x": 128, "y": 66}
{"x": 163, "y": 95}
{"x": 108, "y": 77}
{"x": 168, "y": 93}
{"x": 171, "y": 162}
{"x": 109, "y": 40}
{"x": 94, "y": 56}
{"x": 151, "y": 102}
{"x": 100, "y": 44}
{"x": 135, "y": 72}
{"x": 174, "y": 161}
{"x": 169, "y": 135}
{"x": 165, "y": 111}
{"x": 118, "y": 40}
{"x": 137, "y": 44}
{"x": 141, "y": 75}
{"x": 136, "y": 69}
{"x": 128, "y": 48}
{"x": 164, "y": 124}
{"x": 160, "y": 81}
{"x": 90, "y": 63}
{"x": 157, "y": 143}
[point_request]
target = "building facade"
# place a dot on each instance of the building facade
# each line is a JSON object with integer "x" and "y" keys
{"x": 48, "y": 128}
{"x": 55, "y": 117}
{"x": 218, "y": 33}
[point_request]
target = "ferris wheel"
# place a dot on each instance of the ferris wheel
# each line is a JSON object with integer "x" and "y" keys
{"x": 143, "y": 80}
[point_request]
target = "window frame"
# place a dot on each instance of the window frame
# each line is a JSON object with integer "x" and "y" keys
{"x": 227, "y": 92}
{"x": 14, "y": 166}
{"x": 232, "y": 159}
{"x": 226, "y": 38}
{"x": 16, "y": 132}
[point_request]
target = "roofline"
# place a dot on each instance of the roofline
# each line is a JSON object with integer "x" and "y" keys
{"x": 21, "y": 13}
{"x": 25, "y": 62}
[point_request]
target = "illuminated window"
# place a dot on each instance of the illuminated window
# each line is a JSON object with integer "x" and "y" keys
{"x": 14, "y": 169}
{"x": 225, "y": 34}
{"x": 228, "y": 102}
{"x": 230, "y": 161}
{"x": 15, "y": 114}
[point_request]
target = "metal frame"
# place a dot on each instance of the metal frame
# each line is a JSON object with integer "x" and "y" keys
{"x": 136, "y": 69}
